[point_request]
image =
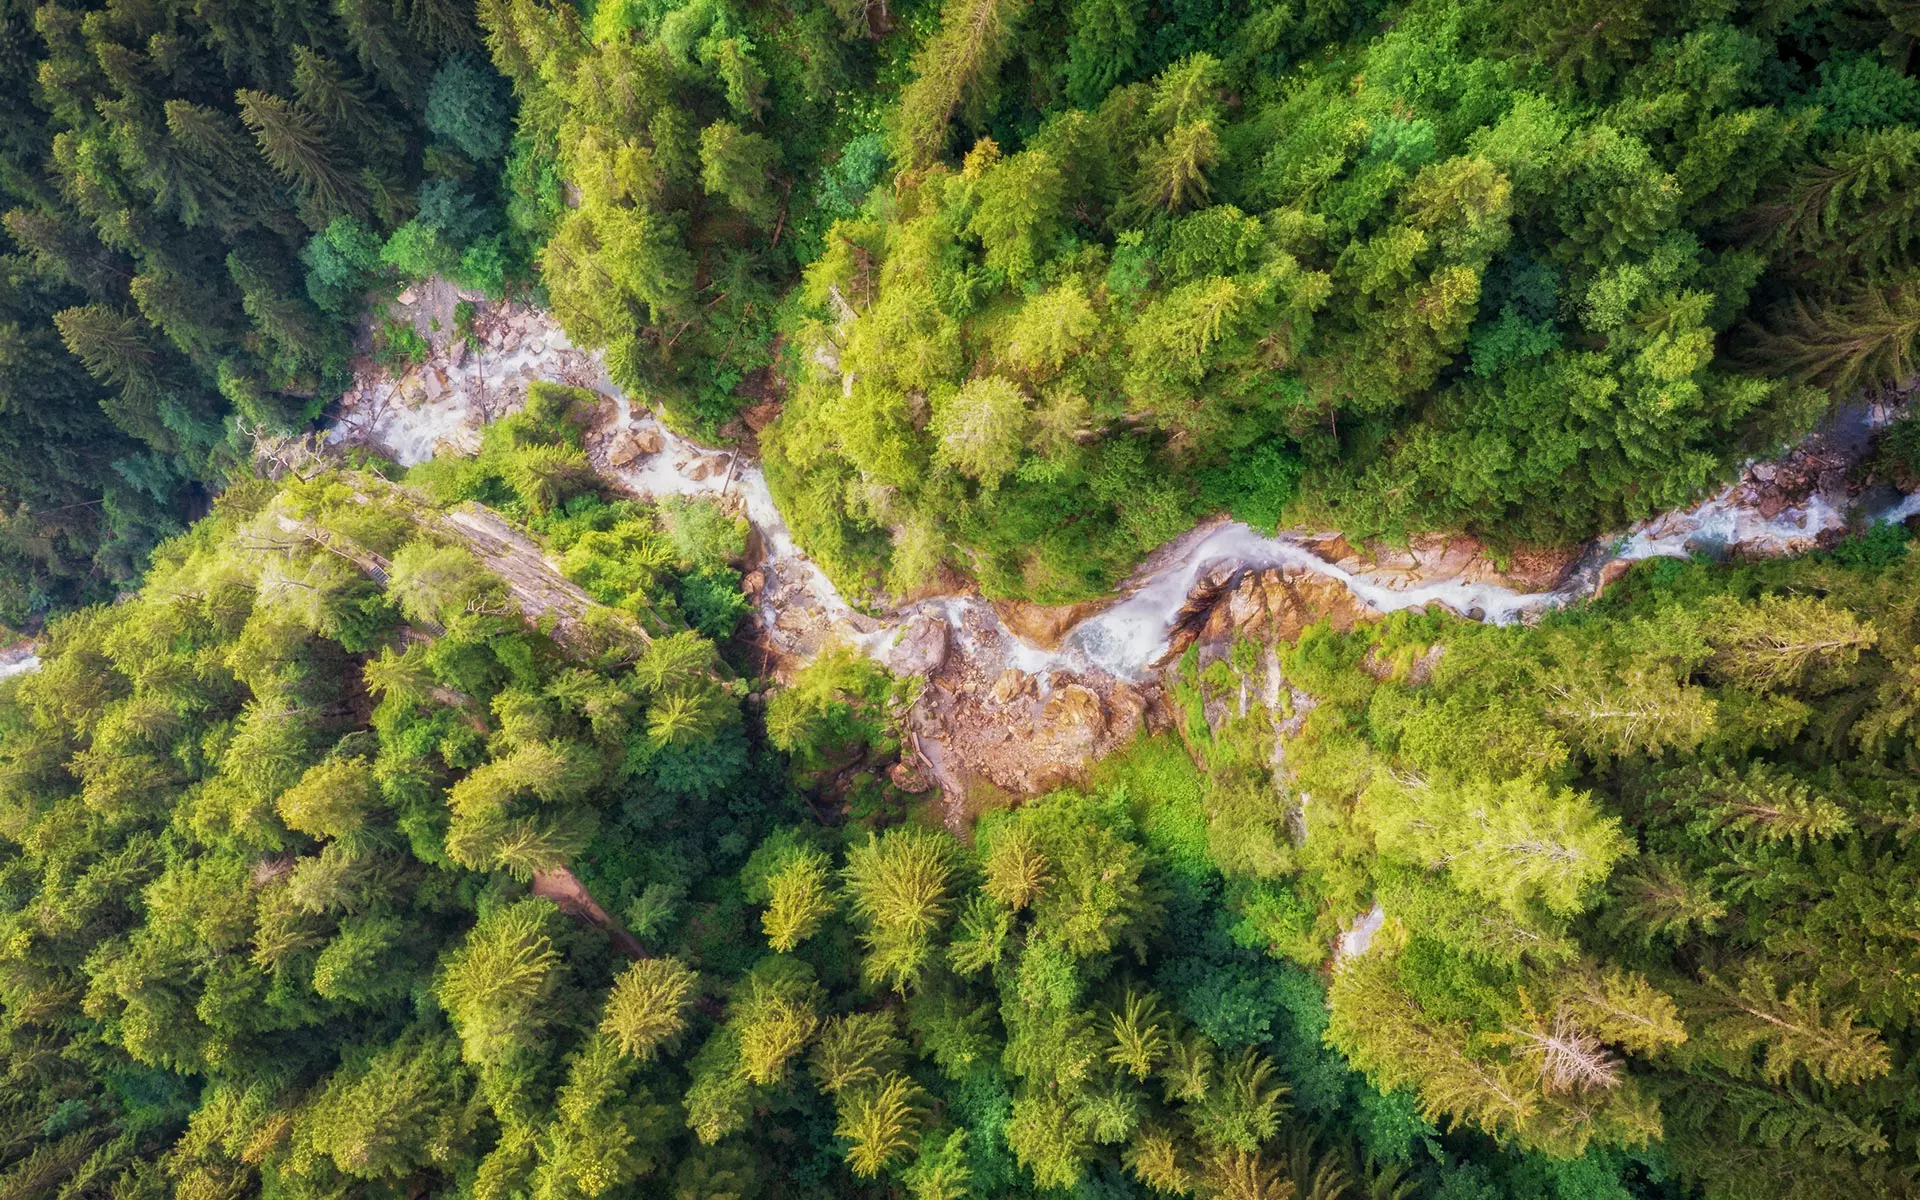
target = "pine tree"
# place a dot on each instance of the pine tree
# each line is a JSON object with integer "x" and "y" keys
{"x": 1021, "y": 205}
{"x": 1787, "y": 642}
{"x": 941, "y": 1172}
{"x": 737, "y": 167}
{"x": 1852, "y": 214}
{"x": 648, "y": 1006}
{"x": 1048, "y": 1138}
{"x": 346, "y": 112}
{"x": 334, "y": 799}
{"x": 293, "y": 144}
{"x": 499, "y": 985}
{"x": 775, "y": 1017}
{"x": 1139, "y": 1037}
{"x": 1242, "y": 1106}
{"x": 1173, "y": 170}
{"x": 115, "y": 348}
{"x": 857, "y": 1050}
{"x": 879, "y": 1122}
{"x": 200, "y": 327}
{"x": 446, "y": 26}
{"x": 1859, "y": 336}
{"x": 1156, "y": 1159}
{"x": 974, "y": 39}
{"x": 1794, "y": 1027}
{"x": 897, "y": 884}
{"x": 982, "y": 428}
{"x": 1654, "y": 899}
{"x": 801, "y": 900}
{"x": 375, "y": 33}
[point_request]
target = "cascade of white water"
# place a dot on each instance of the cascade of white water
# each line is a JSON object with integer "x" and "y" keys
{"x": 1124, "y": 639}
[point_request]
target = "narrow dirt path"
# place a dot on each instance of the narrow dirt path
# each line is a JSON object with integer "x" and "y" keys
{"x": 564, "y": 888}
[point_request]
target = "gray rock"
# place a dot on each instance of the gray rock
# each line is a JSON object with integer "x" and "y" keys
{"x": 922, "y": 646}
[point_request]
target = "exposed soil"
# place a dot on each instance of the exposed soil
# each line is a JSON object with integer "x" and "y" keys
{"x": 561, "y": 886}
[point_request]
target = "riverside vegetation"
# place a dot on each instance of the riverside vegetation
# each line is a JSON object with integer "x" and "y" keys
{"x": 330, "y": 869}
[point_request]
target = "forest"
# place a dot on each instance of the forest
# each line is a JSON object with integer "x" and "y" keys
{"x": 339, "y": 857}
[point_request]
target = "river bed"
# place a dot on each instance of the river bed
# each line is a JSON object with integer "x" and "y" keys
{"x": 442, "y": 404}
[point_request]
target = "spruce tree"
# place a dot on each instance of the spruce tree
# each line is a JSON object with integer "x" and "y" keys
{"x": 294, "y": 145}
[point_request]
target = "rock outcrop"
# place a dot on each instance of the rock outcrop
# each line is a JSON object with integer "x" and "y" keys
{"x": 920, "y": 648}
{"x": 1275, "y": 603}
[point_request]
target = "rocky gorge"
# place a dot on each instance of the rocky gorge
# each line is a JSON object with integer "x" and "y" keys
{"x": 1019, "y": 697}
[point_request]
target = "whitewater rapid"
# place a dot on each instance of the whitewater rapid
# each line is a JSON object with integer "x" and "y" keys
{"x": 1124, "y": 640}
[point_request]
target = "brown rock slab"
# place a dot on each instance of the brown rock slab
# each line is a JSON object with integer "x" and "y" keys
{"x": 631, "y": 445}
{"x": 1043, "y": 625}
{"x": 1074, "y": 717}
{"x": 1012, "y": 685}
{"x": 1611, "y": 574}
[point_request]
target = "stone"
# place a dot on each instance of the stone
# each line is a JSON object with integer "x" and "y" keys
{"x": 1219, "y": 623}
{"x": 1045, "y": 626}
{"x": 1764, "y": 472}
{"x": 1126, "y": 712}
{"x": 753, "y": 583}
{"x": 710, "y": 466}
{"x": 1611, "y": 574}
{"x": 922, "y": 646}
{"x": 1051, "y": 778}
{"x": 625, "y": 449}
{"x": 1334, "y": 549}
{"x": 1476, "y": 613}
{"x": 1246, "y": 604}
{"x": 1541, "y": 568}
{"x": 908, "y": 777}
{"x": 1444, "y": 556}
{"x": 409, "y": 296}
{"x": 1012, "y": 685}
{"x": 434, "y": 384}
{"x": 1323, "y": 598}
{"x": 1074, "y": 717}
{"x": 457, "y": 353}
{"x": 648, "y": 439}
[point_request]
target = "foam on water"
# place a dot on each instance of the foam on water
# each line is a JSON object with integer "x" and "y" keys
{"x": 1126, "y": 638}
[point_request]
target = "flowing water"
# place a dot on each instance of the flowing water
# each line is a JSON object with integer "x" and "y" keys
{"x": 1126, "y": 638}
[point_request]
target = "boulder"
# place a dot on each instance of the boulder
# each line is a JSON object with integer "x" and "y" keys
{"x": 1246, "y": 604}
{"x": 1051, "y": 778}
{"x": 1541, "y": 568}
{"x": 1045, "y": 626}
{"x": 1074, "y": 718}
{"x": 1611, "y": 574}
{"x": 1012, "y": 685}
{"x": 706, "y": 467}
{"x": 1126, "y": 712}
{"x": 631, "y": 445}
{"x": 761, "y": 415}
{"x": 921, "y": 648}
{"x": 908, "y": 777}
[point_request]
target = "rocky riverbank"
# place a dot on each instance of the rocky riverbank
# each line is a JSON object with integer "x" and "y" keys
{"x": 1020, "y": 697}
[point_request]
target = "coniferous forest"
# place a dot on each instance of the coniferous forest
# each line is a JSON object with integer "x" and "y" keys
{"x": 444, "y": 831}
